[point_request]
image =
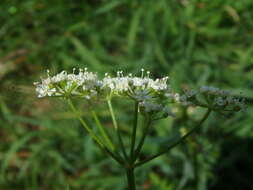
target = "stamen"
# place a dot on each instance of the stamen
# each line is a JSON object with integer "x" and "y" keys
{"x": 142, "y": 73}
{"x": 148, "y": 73}
{"x": 48, "y": 73}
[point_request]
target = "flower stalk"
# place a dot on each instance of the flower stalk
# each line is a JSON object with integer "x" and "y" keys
{"x": 133, "y": 138}
{"x": 177, "y": 142}
{"x": 102, "y": 131}
{"x": 85, "y": 125}
{"x": 115, "y": 124}
{"x": 144, "y": 135}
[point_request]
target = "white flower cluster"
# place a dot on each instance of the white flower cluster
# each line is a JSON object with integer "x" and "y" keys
{"x": 86, "y": 84}
{"x": 129, "y": 84}
{"x": 223, "y": 98}
{"x": 63, "y": 84}
{"x": 212, "y": 97}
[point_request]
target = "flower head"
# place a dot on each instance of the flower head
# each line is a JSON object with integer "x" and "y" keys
{"x": 84, "y": 84}
{"x": 135, "y": 87}
{"x": 213, "y": 98}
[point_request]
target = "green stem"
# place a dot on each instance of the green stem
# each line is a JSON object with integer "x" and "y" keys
{"x": 139, "y": 147}
{"x": 177, "y": 142}
{"x": 93, "y": 135}
{"x": 90, "y": 132}
{"x": 117, "y": 129}
{"x": 102, "y": 131}
{"x": 134, "y": 129}
{"x": 130, "y": 178}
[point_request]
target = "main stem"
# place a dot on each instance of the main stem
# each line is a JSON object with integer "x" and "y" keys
{"x": 144, "y": 135}
{"x": 130, "y": 178}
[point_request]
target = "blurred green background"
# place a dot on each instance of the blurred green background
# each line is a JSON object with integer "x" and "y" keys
{"x": 195, "y": 42}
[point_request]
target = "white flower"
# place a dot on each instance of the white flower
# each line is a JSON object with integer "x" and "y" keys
{"x": 129, "y": 85}
{"x": 59, "y": 77}
{"x": 84, "y": 84}
{"x": 44, "y": 90}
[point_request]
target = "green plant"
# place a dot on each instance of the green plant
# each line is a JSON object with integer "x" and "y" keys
{"x": 153, "y": 100}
